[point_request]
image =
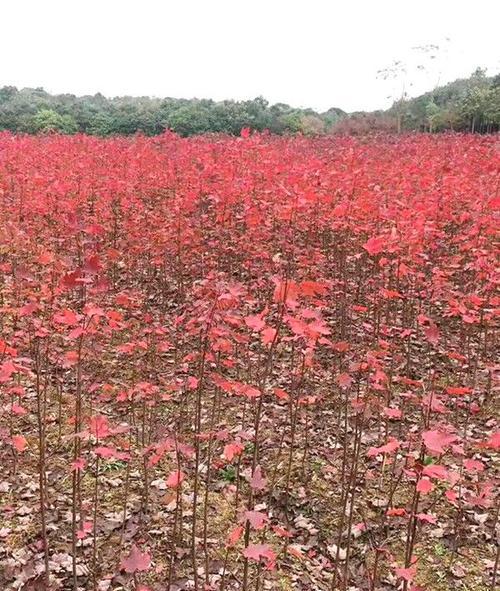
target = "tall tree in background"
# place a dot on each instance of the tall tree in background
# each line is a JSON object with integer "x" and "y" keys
{"x": 396, "y": 72}
{"x": 475, "y": 102}
{"x": 402, "y": 74}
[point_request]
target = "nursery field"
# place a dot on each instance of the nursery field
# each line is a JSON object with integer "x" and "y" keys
{"x": 249, "y": 363}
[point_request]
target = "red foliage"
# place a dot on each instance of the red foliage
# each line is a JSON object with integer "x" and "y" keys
{"x": 136, "y": 561}
{"x": 247, "y": 317}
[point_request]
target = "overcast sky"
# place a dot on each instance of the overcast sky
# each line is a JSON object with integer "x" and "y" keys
{"x": 318, "y": 53}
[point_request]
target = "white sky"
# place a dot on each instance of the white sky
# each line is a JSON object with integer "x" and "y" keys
{"x": 317, "y": 53}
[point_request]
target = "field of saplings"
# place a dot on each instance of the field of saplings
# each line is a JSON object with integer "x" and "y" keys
{"x": 249, "y": 363}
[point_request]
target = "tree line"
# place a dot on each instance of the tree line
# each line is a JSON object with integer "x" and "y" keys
{"x": 33, "y": 110}
{"x": 467, "y": 105}
{"x": 471, "y": 104}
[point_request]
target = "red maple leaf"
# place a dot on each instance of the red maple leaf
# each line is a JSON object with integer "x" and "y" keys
{"x": 424, "y": 486}
{"x": 19, "y": 442}
{"x": 374, "y": 245}
{"x": 258, "y": 551}
{"x": 255, "y": 322}
{"x": 458, "y": 390}
{"x": 393, "y": 413}
{"x": 136, "y": 561}
{"x": 235, "y": 535}
{"x": 175, "y": 478}
{"x": 344, "y": 380}
{"x": 99, "y": 427}
{"x": 426, "y": 518}
{"x": 281, "y": 394}
{"x": 391, "y": 446}
{"x": 257, "y": 519}
{"x": 258, "y": 482}
{"x": 435, "y": 471}
{"x": 435, "y": 441}
{"x": 78, "y": 464}
{"x": 473, "y": 465}
{"x": 408, "y": 574}
{"x": 432, "y": 333}
{"x": 105, "y": 452}
{"x": 67, "y": 317}
{"x": 232, "y": 449}
{"x": 7, "y": 368}
{"x": 268, "y": 335}
{"x": 494, "y": 441}
{"x": 396, "y": 512}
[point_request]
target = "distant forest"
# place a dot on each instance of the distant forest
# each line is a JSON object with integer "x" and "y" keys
{"x": 471, "y": 105}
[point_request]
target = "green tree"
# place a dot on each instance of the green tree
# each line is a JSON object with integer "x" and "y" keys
{"x": 312, "y": 125}
{"x": 492, "y": 109}
{"x": 100, "y": 124}
{"x": 474, "y": 105}
{"x": 47, "y": 120}
{"x": 432, "y": 112}
{"x": 291, "y": 121}
{"x": 189, "y": 119}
